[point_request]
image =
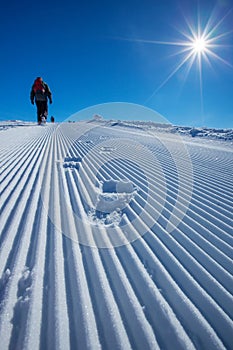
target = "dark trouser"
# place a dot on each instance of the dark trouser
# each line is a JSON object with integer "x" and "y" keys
{"x": 42, "y": 110}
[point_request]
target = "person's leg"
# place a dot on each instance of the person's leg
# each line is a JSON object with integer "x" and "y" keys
{"x": 39, "y": 111}
{"x": 44, "y": 109}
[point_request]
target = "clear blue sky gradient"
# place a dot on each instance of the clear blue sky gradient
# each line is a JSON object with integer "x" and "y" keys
{"x": 79, "y": 49}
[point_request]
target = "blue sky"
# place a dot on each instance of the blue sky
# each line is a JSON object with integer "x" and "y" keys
{"x": 93, "y": 52}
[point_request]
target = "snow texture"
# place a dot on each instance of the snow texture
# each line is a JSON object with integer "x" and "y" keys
{"x": 115, "y": 235}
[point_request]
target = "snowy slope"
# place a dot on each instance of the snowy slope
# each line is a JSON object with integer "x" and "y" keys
{"x": 114, "y": 238}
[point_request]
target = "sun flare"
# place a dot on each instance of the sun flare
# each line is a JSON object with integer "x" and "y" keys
{"x": 199, "y": 45}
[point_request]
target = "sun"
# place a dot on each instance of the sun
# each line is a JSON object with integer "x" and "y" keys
{"x": 199, "y": 45}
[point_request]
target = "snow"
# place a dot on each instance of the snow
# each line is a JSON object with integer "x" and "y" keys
{"x": 203, "y": 132}
{"x": 115, "y": 235}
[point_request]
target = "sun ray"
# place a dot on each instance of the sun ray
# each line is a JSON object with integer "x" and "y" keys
{"x": 171, "y": 75}
{"x": 156, "y": 42}
{"x": 220, "y": 36}
{"x": 210, "y": 32}
{"x": 217, "y": 57}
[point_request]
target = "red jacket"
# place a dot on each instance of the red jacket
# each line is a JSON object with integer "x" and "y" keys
{"x": 40, "y": 91}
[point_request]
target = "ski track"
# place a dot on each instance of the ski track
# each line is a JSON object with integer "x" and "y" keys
{"x": 160, "y": 291}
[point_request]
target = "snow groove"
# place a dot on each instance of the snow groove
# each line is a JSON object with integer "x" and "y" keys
{"x": 66, "y": 191}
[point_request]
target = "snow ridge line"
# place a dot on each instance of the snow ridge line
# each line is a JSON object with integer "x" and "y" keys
{"x": 159, "y": 290}
{"x": 17, "y": 239}
{"x": 222, "y": 271}
{"x": 115, "y": 169}
{"x": 217, "y": 236}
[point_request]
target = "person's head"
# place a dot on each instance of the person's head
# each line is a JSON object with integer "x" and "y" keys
{"x": 39, "y": 79}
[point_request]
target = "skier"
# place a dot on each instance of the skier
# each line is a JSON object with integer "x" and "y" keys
{"x": 40, "y": 93}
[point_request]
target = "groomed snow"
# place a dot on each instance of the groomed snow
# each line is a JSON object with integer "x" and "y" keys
{"x": 115, "y": 235}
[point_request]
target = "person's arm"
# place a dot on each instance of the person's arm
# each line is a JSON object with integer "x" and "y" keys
{"x": 32, "y": 96}
{"x": 48, "y": 93}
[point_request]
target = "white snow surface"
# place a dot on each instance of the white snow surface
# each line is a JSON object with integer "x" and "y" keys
{"x": 115, "y": 235}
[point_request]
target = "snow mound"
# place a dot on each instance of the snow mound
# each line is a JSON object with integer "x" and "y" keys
{"x": 72, "y": 162}
{"x": 113, "y": 196}
{"x": 7, "y": 124}
{"x": 209, "y": 133}
{"x": 203, "y": 132}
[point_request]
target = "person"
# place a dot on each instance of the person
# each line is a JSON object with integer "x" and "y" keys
{"x": 52, "y": 119}
{"x": 40, "y": 93}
